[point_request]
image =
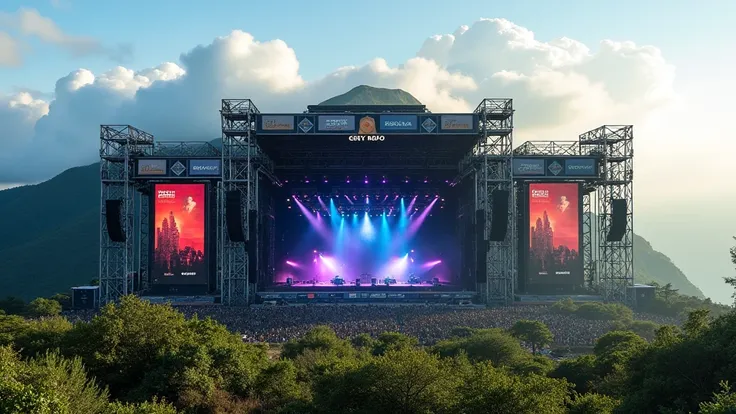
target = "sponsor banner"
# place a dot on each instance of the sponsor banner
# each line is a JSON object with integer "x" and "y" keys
{"x": 179, "y": 234}
{"x": 277, "y": 123}
{"x": 177, "y": 168}
{"x": 150, "y": 168}
{"x": 429, "y": 124}
{"x": 580, "y": 167}
{"x": 528, "y": 166}
{"x": 459, "y": 123}
{"x": 402, "y": 123}
{"x": 555, "y": 167}
{"x": 337, "y": 123}
{"x": 204, "y": 168}
{"x": 553, "y": 255}
{"x": 367, "y": 125}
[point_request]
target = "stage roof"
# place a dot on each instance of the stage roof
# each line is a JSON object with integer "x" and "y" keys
{"x": 380, "y": 141}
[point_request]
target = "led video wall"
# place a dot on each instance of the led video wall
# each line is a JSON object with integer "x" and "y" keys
{"x": 179, "y": 232}
{"x": 555, "y": 234}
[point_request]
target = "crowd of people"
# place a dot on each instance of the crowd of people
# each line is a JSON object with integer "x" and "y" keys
{"x": 429, "y": 323}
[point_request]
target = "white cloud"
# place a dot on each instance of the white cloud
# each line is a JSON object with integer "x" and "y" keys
{"x": 29, "y": 23}
{"x": 10, "y": 54}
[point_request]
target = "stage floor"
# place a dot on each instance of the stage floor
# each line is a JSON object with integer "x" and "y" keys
{"x": 328, "y": 286}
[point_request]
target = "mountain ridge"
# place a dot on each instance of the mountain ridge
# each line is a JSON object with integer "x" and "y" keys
{"x": 51, "y": 230}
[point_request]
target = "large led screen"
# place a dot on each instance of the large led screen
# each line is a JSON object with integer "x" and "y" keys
{"x": 554, "y": 234}
{"x": 179, "y": 254}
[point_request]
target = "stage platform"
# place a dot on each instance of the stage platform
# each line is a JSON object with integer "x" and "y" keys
{"x": 358, "y": 294}
{"x": 353, "y": 286}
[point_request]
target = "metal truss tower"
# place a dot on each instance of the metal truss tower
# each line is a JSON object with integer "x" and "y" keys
{"x": 239, "y": 149}
{"x": 614, "y": 264}
{"x": 491, "y": 160}
{"x": 119, "y": 144}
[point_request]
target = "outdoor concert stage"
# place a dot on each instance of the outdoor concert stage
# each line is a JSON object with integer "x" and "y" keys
{"x": 365, "y": 203}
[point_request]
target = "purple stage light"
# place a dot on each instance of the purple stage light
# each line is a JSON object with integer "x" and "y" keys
{"x": 425, "y": 181}
{"x": 383, "y": 181}
{"x": 292, "y": 264}
{"x": 306, "y": 181}
{"x": 365, "y": 181}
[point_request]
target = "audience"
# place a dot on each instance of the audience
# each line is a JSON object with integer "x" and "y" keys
{"x": 429, "y": 323}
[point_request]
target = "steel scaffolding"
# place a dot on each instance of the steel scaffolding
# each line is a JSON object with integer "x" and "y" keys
{"x": 614, "y": 261}
{"x": 239, "y": 173}
{"x": 119, "y": 145}
{"x": 490, "y": 163}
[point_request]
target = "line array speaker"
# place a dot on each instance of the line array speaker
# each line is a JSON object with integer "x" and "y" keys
{"x": 234, "y": 216}
{"x": 253, "y": 246}
{"x": 114, "y": 220}
{"x": 618, "y": 220}
{"x": 481, "y": 247}
{"x": 499, "y": 216}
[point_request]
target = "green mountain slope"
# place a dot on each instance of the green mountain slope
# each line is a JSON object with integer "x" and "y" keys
{"x": 653, "y": 266}
{"x": 367, "y": 95}
{"x": 49, "y": 233}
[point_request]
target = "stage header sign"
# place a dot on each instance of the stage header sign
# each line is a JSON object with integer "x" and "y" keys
{"x": 281, "y": 123}
{"x": 367, "y": 124}
{"x": 555, "y": 167}
{"x": 178, "y": 168}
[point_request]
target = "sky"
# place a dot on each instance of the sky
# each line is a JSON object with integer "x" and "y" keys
{"x": 67, "y": 66}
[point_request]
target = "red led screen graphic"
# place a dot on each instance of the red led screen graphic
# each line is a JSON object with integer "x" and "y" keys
{"x": 179, "y": 255}
{"x": 554, "y": 234}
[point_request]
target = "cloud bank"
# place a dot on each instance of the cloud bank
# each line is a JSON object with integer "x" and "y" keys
{"x": 560, "y": 88}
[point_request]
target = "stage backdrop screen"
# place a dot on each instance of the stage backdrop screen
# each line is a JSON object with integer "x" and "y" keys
{"x": 179, "y": 254}
{"x": 554, "y": 234}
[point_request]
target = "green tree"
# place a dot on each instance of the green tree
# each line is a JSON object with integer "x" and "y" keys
{"x": 494, "y": 345}
{"x": 731, "y": 281}
{"x": 363, "y": 341}
{"x": 489, "y": 389}
{"x": 140, "y": 349}
{"x": 405, "y": 380}
{"x": 668, "y": 292}
{"x": 645, "y": 329}
{"x": 12, "y": 305}
{"x": 388, "y": 341}
{"x": 41, "y": 307}
{"x": 697, "y": 322}
{"x": 604, "y": 311}
{"x": 152, "y": 407}
{"x": 318, "y": 338}
{"x": 580, "y": 371}
{"x": 47, "y": 384}
{"x": 63, "y": 299}
{"x": 565, "y": 307}
{"x": 723, "y": 402}
{"x": 534, "y": 333}
{"x": 666, "y": 335}
{"x": 592, "y": 404}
